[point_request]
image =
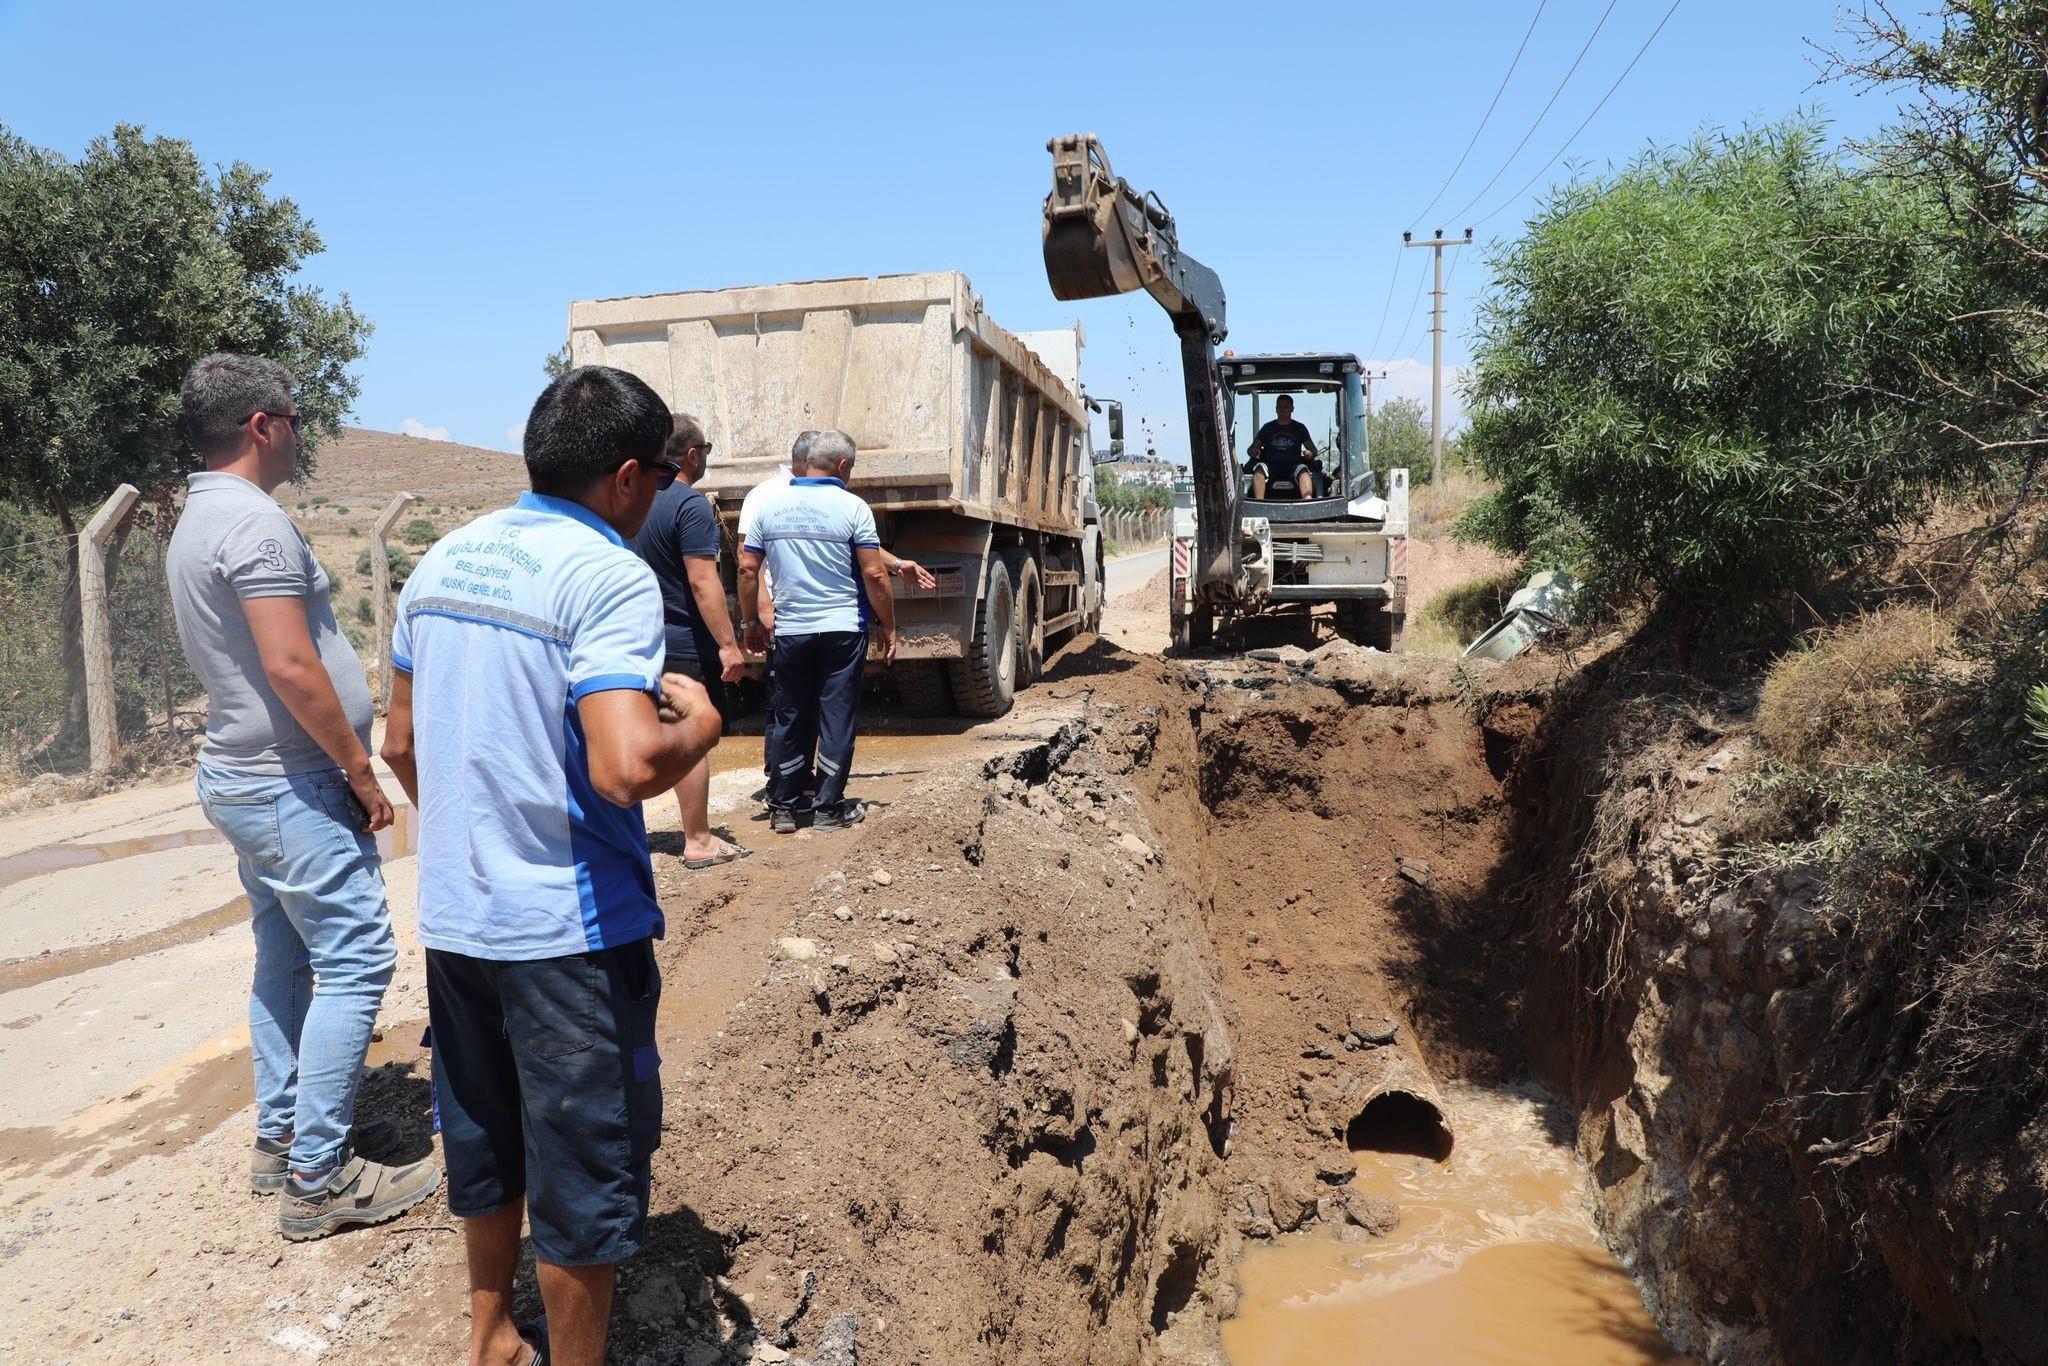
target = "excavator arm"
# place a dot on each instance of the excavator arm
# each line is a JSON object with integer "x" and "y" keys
{"x": 1103, "y": 237}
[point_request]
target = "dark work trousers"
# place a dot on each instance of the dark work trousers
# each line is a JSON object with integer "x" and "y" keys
{"x": 813, "y": 695}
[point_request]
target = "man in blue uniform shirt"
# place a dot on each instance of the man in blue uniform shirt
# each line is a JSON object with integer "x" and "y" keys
{"x": 529, "y": 719}
{"x": 831, "y": 579}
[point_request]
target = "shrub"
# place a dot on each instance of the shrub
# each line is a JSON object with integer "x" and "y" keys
{"x": 1853, "y": 694}
{"x": 318, "y": 499}
{"x": 366, "y": 611}
{"x": 420, "y": 531}
{"x": 401, "y": 564}
{"x": 1685, "y": 376}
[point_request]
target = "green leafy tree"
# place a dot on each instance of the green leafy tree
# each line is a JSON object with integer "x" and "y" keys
{"x": 1686, "y": 377}
{"x": 116, "y": 272}
{"x": 1398, "y": 432}
{"x": 1974, "y": 134}
{"x": 1115, "y": 495}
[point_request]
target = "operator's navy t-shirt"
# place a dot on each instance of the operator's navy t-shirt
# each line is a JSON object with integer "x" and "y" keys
{"x": 1283, "y": 446}
{"x": 680, "y": 524}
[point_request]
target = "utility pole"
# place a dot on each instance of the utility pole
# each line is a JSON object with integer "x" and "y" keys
{"x": 1436, "y": 359}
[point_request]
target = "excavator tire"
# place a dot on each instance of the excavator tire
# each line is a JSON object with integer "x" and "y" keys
{"x": 1366, "y": 623}
{"x": 1029, "y": 592}
{"x": 985, "y": 682}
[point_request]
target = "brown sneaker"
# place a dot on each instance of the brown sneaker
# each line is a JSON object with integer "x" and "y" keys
{"x": 356, "y": 1192}
{"x": 270, "y": 1159}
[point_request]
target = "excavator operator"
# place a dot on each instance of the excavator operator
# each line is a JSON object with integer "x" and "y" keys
{"x": 1283, "y": 457}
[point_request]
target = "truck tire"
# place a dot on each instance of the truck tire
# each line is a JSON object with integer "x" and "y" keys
{"x": 985, "y": 682}
{"x": 1366, "y": 623}
{"x": 1030, "y": 594}
{"x": 1095, "y": 596}
{"x": 922, "y": 687}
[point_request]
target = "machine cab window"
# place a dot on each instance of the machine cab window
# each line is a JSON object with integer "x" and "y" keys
{"x": 1296, "y": 432}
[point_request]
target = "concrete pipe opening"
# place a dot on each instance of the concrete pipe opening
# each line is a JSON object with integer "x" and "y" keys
{"x": 1400, "y": 1122}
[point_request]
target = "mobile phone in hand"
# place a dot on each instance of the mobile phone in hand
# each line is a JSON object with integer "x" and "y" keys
{"x": 360, "y": 813}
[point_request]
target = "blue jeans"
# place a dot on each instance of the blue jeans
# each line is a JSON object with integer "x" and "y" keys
{"x": 324, "y": 952}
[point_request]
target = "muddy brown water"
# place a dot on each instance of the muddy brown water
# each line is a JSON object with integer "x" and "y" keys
{"x": 1494, "y": 1260}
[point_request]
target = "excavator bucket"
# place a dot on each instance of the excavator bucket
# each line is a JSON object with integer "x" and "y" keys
{"x": 1088, "y": 250}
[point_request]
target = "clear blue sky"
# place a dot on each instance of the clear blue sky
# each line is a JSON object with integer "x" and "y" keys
{"x": 474, "y": 167}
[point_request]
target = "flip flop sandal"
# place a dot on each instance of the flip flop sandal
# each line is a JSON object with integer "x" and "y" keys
{"x": 733, "y": 853}
{"x": 536, "y": 1337}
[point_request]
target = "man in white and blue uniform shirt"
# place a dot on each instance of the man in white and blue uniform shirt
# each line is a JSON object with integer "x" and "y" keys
{"x": 529, "y": 719}
{"x": 831, "y": 590}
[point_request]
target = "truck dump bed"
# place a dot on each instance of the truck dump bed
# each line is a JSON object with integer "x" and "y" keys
{"x": 950, "y": 412}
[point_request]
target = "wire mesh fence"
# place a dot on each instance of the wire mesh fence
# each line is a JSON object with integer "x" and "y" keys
{"x": 42, "y": 690}
{"x": 37, "y": 575}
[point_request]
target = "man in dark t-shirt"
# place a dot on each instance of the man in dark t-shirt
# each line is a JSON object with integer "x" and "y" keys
{"x": 1283, "y": 457}
{"x": 679, "y": 541}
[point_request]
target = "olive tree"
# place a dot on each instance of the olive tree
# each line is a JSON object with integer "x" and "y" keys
{"x": 116, "y": 272}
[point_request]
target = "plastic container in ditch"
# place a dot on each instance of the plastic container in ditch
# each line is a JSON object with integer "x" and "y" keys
{"x": 1537, "y": 609}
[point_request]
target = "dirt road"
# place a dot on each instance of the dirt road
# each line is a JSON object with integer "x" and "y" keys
{"x": 124, "y": 962}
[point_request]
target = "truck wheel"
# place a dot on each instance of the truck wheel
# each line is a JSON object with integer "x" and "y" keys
{"x": 1095, "y": 596}
{"x": 1030, "y": 597}
{"x": 1201, "y": 627}
{"x": 985, "y": 682}
{"x": 922, "y": 687}
{"x": 1093, "y": 622}
{"x": 1366, "y": 623}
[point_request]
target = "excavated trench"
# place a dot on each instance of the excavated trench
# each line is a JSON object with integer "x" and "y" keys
{"x": 1180, "y": 1035}
{"x": 1400, "y": 1188}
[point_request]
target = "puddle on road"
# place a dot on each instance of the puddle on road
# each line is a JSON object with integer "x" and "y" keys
{"x": 887, "y": 755}
{"x": 1495, "y": 1260}
{"x": 57, "y": 858}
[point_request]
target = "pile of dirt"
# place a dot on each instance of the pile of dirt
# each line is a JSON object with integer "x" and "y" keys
{"x": 1149, "y": 595}
{"x": 978, "y": 1101}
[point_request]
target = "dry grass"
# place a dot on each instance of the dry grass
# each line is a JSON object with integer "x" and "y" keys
{"x": 1459, "y": 614}
{"x": 1434, "y": 509}
{"x": 1852, "y": 695}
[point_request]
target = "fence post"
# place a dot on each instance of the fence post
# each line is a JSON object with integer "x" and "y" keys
{"x": 380, "y": 593}
{"x": 95, "y": 635}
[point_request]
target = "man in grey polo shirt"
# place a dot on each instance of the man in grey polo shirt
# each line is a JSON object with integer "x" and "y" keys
{"x": 285, "y": 777}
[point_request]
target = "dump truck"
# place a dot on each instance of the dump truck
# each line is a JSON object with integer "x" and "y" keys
{"x": 1237, "y": 556}
{"x": 974, "y": 450}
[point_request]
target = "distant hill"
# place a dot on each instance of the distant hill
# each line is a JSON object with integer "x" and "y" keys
{"x": 364, "y": 468}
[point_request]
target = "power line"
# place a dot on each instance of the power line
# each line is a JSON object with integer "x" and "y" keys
{"x": 1393, "y": 278}
{"x": 1501, "y": 90}
{"x": 1589, "y": 118}
{"x": 1413, "y": 304}
{"x": 1542, "y": 113}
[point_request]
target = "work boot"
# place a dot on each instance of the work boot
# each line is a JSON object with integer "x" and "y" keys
{"x": 357, "y": 1191}
{"x": 838, "y": 818}
{"x": 781, "y": 820}
{"x": 270, "y": 1160}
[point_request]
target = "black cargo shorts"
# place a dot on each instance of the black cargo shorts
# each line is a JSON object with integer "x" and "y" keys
{"x": 547, "y": 1085}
